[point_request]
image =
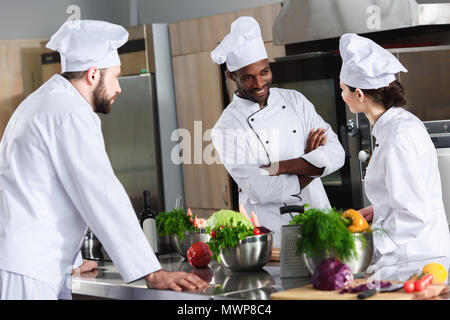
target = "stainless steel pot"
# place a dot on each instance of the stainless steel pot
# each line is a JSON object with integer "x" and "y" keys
{"x": 357, "y": 265}
{"x": 191, "y": 237}
{"x": 251, "y": 253}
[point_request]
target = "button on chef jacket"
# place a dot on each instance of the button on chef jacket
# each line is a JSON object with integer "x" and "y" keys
{"x": 55, "y": 180}
{"x": 247, "y": 137}
{"x": 403, "y": 184}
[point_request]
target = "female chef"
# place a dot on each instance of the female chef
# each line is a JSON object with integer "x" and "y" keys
{"x": 402, "y": 180}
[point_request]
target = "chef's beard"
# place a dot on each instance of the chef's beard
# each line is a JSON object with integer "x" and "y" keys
{"x": 247, "y": 94}
{"x": 102, "y": 103}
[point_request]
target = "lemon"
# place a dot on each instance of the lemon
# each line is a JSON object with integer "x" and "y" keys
{"x": 437, "y": 270}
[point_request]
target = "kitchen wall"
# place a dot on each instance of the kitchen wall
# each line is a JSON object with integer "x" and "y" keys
{"x": 39, "y": 19}
{"x": 176, "y": 10}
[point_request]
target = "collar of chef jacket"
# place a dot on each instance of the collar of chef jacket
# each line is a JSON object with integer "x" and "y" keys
{"x": 380, "y": 130}
{"x": 249, "y": 107}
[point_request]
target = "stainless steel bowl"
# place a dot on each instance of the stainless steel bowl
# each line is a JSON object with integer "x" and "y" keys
{"x": 357, "y": 265}
{"x": 191, "y": 237}
{"x": 251, "y": 253}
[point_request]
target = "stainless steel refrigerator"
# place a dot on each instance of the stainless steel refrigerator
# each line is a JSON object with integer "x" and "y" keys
{"x": 131, "y": 133}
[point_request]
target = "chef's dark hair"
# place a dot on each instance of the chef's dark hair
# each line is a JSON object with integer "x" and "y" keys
{"x": 390, "y": 96}
{"x": 76, "y": 75}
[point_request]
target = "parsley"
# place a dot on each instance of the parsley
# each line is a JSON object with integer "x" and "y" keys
{"x": 226, "y": 237}
{"x": 174, "y": 223}
{"x": 324, "y": 231}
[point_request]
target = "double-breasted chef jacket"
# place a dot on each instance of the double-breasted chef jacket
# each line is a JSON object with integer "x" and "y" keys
{"x": 403, "y": 184}
{"x": 55, "y": 181}
{"x": 247, "y": 136}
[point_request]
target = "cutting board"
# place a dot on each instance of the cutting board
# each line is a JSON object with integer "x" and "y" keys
{"x": 275, "y": 255}
{"x": 308, "y": 293}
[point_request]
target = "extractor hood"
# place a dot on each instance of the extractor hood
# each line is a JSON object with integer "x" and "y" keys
{"x": 312, "y": 20}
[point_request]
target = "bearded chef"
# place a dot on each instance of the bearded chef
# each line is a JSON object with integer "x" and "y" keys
{"x": 271, "y": 141}
{"x": 402, "y": 181}
{"x": 56, "y": 178}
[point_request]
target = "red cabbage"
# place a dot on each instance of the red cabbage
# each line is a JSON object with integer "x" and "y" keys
{"x": 331, "y": 274}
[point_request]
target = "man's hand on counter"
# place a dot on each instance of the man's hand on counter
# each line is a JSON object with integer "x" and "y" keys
{"x": 176, "y": 281}
{"x": 88, "y": 265}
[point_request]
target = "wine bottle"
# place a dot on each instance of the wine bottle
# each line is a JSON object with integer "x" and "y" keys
{"x": 148, "y": 222}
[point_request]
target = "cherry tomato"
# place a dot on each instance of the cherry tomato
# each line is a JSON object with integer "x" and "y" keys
{"x": 424, "y": 282}
{"x": 256, "y": 231}
{"x": 409, "y": 286}
{"x": 222, "y": 227}
{"x": 213, "y": 234}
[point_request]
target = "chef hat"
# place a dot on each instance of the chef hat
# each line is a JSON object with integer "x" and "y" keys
{"x": 365, "y": 64}
{"x": 242, "y": 46}
{"x": 87, "y": 43}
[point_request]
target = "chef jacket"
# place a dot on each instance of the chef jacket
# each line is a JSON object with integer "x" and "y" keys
{"x": 403, "y": 184}
{"x": 247, "y": 136}
{"x": 55, "y": 181}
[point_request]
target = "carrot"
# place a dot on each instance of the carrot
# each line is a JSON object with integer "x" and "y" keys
{"x": 189, "y": 214}
{"x": 254, "y": 219}
{"x": 242, "y": 210}
{"x": 196, "y": 222}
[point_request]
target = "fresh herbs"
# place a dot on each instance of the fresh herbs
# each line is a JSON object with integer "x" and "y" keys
{"x": 325, "y": 232}
{"x": 227, "y": 236}
{"x": 174, "y": 223}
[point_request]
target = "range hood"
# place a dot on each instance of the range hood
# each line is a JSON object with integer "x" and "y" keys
{"x": 311, "y": 20}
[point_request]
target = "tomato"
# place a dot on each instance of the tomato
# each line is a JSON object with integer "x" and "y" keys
{"x": 409, "y": 286}
{"x": 256, "y": 231}
{"x": 424, "y": 282}
{"x": 222, "y": 227}
{"x": 213, "y": 234}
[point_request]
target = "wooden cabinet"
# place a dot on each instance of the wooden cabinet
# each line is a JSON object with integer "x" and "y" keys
{"x": 199, "y": 99}
{"x": 136, "y": 56}
{"x": 203, "y": 34}
{"x": 20, "y": 74}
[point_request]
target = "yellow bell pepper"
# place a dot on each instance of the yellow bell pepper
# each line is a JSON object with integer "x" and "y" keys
{"x": 359, "y": 224}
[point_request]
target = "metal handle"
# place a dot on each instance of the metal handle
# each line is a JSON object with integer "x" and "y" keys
{"x": 351, "y": 127}
{"x": 224, "y": 194}
{"x": 289, "y": 209}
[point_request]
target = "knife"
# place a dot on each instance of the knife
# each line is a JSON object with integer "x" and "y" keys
{"x": 371, "y": 292}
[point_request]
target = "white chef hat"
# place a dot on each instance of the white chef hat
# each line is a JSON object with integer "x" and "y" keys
{"x": 87, "y": 43}
{"x": 242, "y": 46}
{"x": 365, "y": 64}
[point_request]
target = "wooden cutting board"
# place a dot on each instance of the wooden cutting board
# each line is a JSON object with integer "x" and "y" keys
{"x": 308, "y": 293}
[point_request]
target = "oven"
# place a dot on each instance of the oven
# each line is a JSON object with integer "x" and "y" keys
{"x": 439, "y": 131}
{"x": 316, "y": 75}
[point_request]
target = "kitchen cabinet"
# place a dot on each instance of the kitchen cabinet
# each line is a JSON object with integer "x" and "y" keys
{"x": 200, "y": 101}
{"x": 136, "y": 56}
{"x": 20, "y": 74}
{"x": 203, "y": 34}
{"x": 198, "y": 95}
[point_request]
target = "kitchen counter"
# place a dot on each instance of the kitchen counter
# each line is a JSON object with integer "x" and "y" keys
{"x": 106, "y": 283}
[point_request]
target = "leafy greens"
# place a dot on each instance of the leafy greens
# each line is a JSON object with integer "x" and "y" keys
{"x": 174, "y": 223}
{"x": 227, "y": 236}
{"x": 324, "y": 231}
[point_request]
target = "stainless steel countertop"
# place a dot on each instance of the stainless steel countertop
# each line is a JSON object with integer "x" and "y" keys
{"x": 106, "y": 282}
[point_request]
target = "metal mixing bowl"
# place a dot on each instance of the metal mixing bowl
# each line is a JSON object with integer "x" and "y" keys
{"x": 191, "y": 237}
{"x": 358, "y": 265}
{"x": 251, "y": 253}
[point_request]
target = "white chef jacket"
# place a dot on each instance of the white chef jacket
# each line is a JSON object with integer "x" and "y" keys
{"x": 403, "y": 184}
{"x": 247, "y": 137}
{"x": 55, "y": 181}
